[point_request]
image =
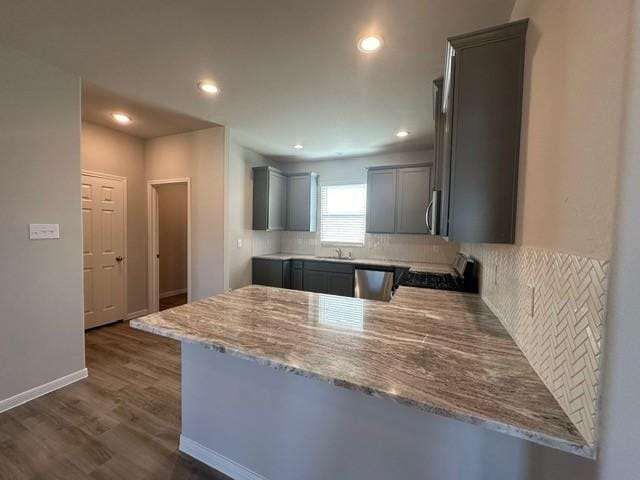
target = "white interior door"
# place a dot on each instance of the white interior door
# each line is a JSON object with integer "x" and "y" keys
{"x": 103, "y": 247}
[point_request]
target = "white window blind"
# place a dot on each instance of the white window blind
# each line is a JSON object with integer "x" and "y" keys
{"x": 342, "y": 213}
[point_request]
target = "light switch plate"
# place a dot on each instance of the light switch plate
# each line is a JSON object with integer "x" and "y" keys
{"x": 239, "y": 243}
{"x": 44, "y": 231}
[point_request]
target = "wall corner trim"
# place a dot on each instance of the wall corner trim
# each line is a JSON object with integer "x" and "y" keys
{"x": 33, "y": 393}
{"x": 217, "y": 461}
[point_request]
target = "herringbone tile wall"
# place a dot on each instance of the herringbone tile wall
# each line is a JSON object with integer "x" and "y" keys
{"x": 561, "y": 333}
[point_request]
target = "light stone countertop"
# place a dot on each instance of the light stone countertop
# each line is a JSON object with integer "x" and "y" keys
{"x": 443, "y": 352}
{"x": 415, "y": 266}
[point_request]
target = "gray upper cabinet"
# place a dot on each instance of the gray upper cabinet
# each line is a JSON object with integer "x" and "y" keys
{"x": 269, "y": 199}
{"x": 381, "y": 200}
{"x": 302, "y": 202}
{"x": 413, "y": 197}
{"x": 482, "y": 107}
{"x": 398, "y": 197}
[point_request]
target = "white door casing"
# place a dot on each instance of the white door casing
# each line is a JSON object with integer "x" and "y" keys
{"x": 103, "y": 224}
{"x": 153, "y": 263}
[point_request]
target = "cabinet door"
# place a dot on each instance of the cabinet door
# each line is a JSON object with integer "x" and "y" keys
{"x": 277, "y": 201}
{"x": 299, "y": 208}
{"x": 316, "y": 281}
{"x": 444, "y": 157}
{"x": 340, "y": 284}
{"x": 296, "y": 279}
{"x": 267, "y": 272}
{"x": 260, "y": 198}
{"x": 413, "y": 197}
{"x": 485, "y": 136}
{"x": 286, "y": 274}
{"x": 381, "y": 200}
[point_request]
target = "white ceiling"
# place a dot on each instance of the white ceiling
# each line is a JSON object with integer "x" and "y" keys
{"x": 289, "y": 70}
{"x": 148, "y": 121}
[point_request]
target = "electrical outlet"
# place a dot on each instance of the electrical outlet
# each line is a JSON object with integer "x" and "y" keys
{"x": 239, "y": 243}
{"x": 531, "y": 296}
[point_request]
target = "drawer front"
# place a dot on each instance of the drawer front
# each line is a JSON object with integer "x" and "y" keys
{"x": 297, "y": 264}
{"x": 328, "y": 266}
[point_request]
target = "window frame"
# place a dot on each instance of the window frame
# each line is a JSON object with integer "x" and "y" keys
{"x": 332, "y": 243}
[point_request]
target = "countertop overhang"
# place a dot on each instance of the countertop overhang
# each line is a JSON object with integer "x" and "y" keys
{"x": 443, "y": 352}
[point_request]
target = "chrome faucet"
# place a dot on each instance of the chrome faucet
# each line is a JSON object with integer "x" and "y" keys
{"x": 339, "y": 252}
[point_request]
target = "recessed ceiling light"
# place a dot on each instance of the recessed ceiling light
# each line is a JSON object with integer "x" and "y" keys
{"x": 122, "y": 118}
{"x": 370, "y": 44}
{"x": 209, "y": 87}
{"x": 298, "y": 146}
{"x": 402, "y": 133}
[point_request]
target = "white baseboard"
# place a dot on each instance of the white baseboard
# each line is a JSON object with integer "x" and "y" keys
{"x": 171, "y": 293}
{"x": 24, "y": 397}
{"x": 134, "y": 315}
{"x": 217, "y": 461}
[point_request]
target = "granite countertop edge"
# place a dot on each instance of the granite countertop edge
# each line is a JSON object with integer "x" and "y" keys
{"x": 582, "y": 450}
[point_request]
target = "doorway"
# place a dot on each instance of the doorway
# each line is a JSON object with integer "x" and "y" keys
{"x": 104, "y": 231}
{"x": 169, "y": 243}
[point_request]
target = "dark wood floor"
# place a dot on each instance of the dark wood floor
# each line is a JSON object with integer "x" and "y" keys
{"x": 123, "y": 422}
{"x": 173, "y": 301}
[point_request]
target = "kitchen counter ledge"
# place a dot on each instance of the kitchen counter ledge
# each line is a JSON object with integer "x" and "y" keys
{"x": 443, "y": 352}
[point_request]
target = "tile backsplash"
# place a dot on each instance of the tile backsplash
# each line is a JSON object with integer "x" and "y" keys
{"x": 553, "y": 305}
{"x": 410, "y": 248}
{"x": 265, "y": 242}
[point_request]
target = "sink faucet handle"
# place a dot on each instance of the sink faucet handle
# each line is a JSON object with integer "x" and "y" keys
{"x": 339, "y": 252}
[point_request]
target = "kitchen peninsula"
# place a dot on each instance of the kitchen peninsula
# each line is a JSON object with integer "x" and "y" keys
{"x": 425, "y": 351}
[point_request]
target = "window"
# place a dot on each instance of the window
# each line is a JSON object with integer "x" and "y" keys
{"x": 342, "y": 213}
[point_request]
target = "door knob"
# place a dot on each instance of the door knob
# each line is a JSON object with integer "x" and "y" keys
{"x": 119, "y": 259}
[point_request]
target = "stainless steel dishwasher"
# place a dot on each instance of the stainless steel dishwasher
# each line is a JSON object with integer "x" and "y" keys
{"x": 374, "y": 284}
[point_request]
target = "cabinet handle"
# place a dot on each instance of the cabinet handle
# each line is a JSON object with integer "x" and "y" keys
{"x": 428, "y": 217}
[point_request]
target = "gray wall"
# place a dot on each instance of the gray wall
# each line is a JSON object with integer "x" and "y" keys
{"x": 108, "y": 151}
{"x": 172, "y": 236}
{"x": 353, "y": 169}
{"x": 288, "y": 427}
{"x": 41, "y": 324}
{"x": 200, "y": 156}
{"x": 620, "y": 457}
{"x": 239, "y": 227}
{"x": 572, "y": 115}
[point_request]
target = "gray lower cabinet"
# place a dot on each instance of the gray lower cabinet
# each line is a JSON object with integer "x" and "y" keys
{"x": 302, "y": 202}
{"x": 269, "y": 199}
{"x": 328, "y": 277}
{"x": 315, "y": 281}
{"x": 340, "y": 284}
{"x": 307, "y": 275}
{"x": 328, "y": 282}
{"x": 271, "y": 273}
{"x": 398, "y": 198}
{"x": 297, "y": 278}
